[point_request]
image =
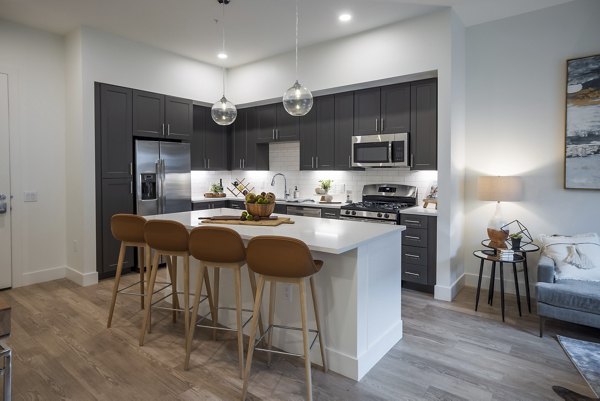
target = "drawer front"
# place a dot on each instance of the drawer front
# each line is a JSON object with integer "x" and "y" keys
{"x": 200, "y": 205}
{"x": 218, "y": 204}
{"x": 415, "y": 237}
{"x": 413, "y": 220}
{"x": 414, "y": 256}
{"x": 414, "y": 273}
{"x": 239, "y": 205}
{"x": 328, "y": 213}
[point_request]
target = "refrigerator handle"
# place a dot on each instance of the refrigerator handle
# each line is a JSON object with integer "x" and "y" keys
{"x": 162, "y": 186}
{"x": 157, "y": 169}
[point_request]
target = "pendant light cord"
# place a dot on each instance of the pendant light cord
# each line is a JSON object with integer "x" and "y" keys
{"x": 296, "y": 40}
{"x": 223, "y": 30}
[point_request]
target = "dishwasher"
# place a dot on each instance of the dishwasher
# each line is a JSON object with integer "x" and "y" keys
{"x": 304, "y": 211}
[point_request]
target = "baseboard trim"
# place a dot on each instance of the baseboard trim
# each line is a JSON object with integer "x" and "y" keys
{"x": 444, "y": 293}
{"x": 509, "y": 283}
{"x": 83, "y": 279}
{"x": 41, "y": 276}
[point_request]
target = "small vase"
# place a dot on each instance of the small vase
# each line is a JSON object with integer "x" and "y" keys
{"x": 516, "y": 243}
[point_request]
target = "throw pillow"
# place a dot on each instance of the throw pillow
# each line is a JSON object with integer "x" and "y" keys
{"x": 576, "y": 257}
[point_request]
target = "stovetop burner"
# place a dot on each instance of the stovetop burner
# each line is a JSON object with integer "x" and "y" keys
{"x": 387, "y": 207}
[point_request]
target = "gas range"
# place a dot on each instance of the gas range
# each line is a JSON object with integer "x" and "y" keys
{"x": 381, "y": 203}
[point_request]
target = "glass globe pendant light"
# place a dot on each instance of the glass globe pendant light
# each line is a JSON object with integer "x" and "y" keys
{"x": 297, "y": 100}
{"x": 223, "y": 112}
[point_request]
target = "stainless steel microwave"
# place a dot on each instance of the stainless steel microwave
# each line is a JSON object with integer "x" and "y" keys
{"x": 386, "y": 150}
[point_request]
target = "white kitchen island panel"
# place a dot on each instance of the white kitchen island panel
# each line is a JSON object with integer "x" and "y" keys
{"x": 358, "y": 289}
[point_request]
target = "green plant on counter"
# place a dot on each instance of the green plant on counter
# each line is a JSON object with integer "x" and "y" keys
{"x": 325, "y": 184}
{"x": 216, "y": 188}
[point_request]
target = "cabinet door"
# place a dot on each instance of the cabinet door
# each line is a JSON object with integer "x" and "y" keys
{"x": 197, "y": 140}
{"x": 344, "y": 129}
{"x": 115, "y": 131}
{"x": 179, "y": 117}
{"x": 423, "y": 132}
{"x": 257, "y": 156}
{"x": 266, "y": 122}
{"x": 117, "y": 197}
{"x": 148, "y": 114}
{"x": 308, "y": 138}
{"x": 367, "y": 112}
{"x": 238, "y": 139}
{"x": 395, "y": 109}
{"x": 215, "y": 143}
{"x": 287, "y": 125}
{"x": 200, "y": 205}
{"x": 325, "y": 133}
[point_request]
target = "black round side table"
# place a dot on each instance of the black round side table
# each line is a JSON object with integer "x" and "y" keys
{"x": 523, "y": 251}
{"x": 490, "y": 255}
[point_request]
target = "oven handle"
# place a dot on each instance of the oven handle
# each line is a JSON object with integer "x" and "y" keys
{"x": 348, "y": 218}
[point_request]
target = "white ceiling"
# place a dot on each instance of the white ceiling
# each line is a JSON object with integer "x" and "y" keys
{"x": 255, "y": 29}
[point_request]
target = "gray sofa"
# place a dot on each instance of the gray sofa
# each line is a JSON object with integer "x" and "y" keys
{"x": 570, "y": 300}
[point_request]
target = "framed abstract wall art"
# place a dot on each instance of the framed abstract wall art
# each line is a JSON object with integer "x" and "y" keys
{"x": 582, "y": 142}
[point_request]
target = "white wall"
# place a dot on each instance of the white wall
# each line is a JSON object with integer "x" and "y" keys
{"x": 115, "y": 60}
{"x": 418, "y": 45}
{"x": 35, "y": 62}
{"x": 516, "y": 71}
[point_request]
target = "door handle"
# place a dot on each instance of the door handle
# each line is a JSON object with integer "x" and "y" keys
{"x": 3, "y": 204}
{"x": 243, "y": 163}
{"x": 168, "y": 129}
{"x": 317, "y": 161}
{"x": 208, "y": 162}
{"x": 163, "y": 129}
{"x": 381, "y": 124}
{"x": 376, "y": 125}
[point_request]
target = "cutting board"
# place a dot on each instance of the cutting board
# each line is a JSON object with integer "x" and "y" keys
{"x": 234, "y": 220}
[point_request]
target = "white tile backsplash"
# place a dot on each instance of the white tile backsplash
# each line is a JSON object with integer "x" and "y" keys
{"x": 285, "y": 158}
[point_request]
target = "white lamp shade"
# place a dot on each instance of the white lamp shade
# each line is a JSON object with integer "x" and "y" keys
{"x": 500, "y": 189}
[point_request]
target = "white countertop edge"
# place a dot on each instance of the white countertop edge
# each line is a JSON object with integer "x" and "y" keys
{"x": 307, "y": 204}
{"x": 420, "y": 210}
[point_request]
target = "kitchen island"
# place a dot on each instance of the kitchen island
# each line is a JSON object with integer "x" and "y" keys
{"x": 358, "y": 288}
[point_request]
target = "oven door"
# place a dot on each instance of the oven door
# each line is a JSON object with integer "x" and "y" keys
{"x": 389, "y": 150}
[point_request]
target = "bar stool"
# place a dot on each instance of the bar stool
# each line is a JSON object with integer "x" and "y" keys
{"x": 220, "y": 248}
{"x": 283, "y": 260}
{"x": 170, "y": 239}
{"x": 129, "y": 229}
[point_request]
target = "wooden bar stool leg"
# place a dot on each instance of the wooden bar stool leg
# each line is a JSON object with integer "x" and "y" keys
{"x": 141, "y": 260}
{"x": 195, "y": 305}
{"x": 211, "y": 305}
{"x": 253, "y": 286}
{"x": 216, "y": 281}
{"x": 253, "y": 325}
{"x": 272, "y": 296}
{"x": 186, "y": 294}
{"x": 116, "y": 283}
{"x": 318, "y": 321}
{"x": 238, "y": 319}
{"x": 146, "y": 322}
{"x": 302, "y": 286}
{"x": 173, "y": 275}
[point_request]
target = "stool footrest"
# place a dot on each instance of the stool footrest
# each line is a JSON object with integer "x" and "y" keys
{"x": 203, "y": 317}
{"x": 122, "y": 290}
{"x": 258, "y": 340}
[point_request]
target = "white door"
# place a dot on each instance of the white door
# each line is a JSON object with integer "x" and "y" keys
{"x": 5, "y": 235}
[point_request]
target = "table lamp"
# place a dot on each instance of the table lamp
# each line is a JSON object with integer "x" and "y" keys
{"x": 499, "y": 189}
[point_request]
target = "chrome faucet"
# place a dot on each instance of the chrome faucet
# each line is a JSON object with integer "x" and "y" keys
{"x": 285, "y": 191}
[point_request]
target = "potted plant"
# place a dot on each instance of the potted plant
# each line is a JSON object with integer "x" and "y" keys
{"x": 325, "y": 185}
{"x": 515, "y": 240}
{"x": 216, "y": 188}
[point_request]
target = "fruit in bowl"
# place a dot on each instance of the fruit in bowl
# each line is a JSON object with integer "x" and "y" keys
{"x": 261, "y": 205}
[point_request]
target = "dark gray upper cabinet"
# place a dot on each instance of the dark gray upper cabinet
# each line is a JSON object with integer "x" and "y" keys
{"x": 325, "y": 152}
{"x": 117, "y": 197}
{"x": 395, "y": 109}
{"x": 423, "y": 131}
{"x": 148, "y": 114}
{"x": 246, "y": 153}
{"x": 274, "y": 124}
{"x": 115, "y": 131}
{"x": 344, "y": 129}
{"x": 160, "y": 116}
{"x": 308, "y": 139}
{"x": 367, "y": 111}
{"x": 209, "y": 143}
{"x": 179, "y": 117}
{"x": 238, "y": 139}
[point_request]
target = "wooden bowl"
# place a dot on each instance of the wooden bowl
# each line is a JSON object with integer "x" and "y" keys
{"x": 262, "y": 210}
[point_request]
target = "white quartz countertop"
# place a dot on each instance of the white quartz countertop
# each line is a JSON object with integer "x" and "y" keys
{"x": 322, "y": 235}
{"x": 430, "y": 211}
{"x": 308, "y": 204}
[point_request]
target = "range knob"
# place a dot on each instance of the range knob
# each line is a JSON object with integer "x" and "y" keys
{"x": 353, "y": 213}
{"x": 378, "y": 214}
{"x": 386, "y": 215}
{"x": 347, "y": 211}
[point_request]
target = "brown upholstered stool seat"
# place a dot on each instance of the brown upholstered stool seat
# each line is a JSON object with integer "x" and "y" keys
{"x": 219, "y": 248}
{"x": 129, "y": 229}
{"x": 288, "y": 260}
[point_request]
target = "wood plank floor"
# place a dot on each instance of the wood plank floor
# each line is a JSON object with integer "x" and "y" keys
{"x": 63, "y": 351}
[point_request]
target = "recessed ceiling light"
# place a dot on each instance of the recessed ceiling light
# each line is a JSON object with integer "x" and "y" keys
{"x": 345, "y": 17}
{"x": 222, "y": 56}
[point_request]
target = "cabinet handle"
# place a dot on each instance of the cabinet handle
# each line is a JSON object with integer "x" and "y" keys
{"x": 168, "y": 129}
{"x": 381, "y": 124}
{"x": 163, "y": 129}
{"x": 131, "y": 187}
{"x": 412, "y": 221}
{"x": 376, "y": 125}
{"x": 413, "y": 274}
{"x": 273, "y": 133}
{"x": 312, "y": 162}
{"x": 410, "y": 255}
{"x": 422, "y": 164}
{"x": 412, "y": 237}
{"x": 349, "y": 162}
{"x": 317, "y": 161}
{"x": 243, "y": 163}
{"x": 131, "y": 169}
{"x": 412, "y": 159}
{"x": 208, "y": 163}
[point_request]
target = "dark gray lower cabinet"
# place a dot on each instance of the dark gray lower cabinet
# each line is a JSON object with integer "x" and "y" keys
{"x": 419, "y": 251}
{"x": 116, "y": 197}
{"x": 209, "y": 205}
{"x": 330, "y": 213}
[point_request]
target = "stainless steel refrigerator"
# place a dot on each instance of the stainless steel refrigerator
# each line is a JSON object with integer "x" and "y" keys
{"x": 163, "y": 177}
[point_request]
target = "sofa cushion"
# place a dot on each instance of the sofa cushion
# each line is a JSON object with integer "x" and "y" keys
{"x": 572, "y": 294}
